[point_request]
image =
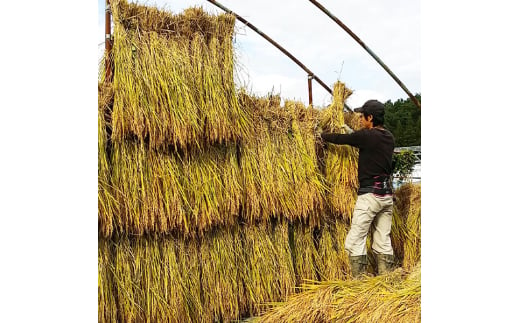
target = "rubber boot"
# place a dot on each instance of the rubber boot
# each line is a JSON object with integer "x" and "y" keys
{"x": 358, "y": 265}
{"x": 385, "y": 263}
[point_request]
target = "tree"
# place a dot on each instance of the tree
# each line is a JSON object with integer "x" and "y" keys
{"x": 403, "y": 119}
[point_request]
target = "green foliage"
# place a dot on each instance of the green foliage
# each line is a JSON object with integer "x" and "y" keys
{"x": 404, "y": 162}
{"x": 403, "y": 119}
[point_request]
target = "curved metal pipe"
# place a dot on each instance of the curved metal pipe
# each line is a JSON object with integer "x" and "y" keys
{"x": 311, "y": 75}
{"x": 357, "y": 39}
{"x": 108, "y": 42}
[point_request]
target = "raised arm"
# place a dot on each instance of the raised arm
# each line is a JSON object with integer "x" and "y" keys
{"x": 354, "y": 139}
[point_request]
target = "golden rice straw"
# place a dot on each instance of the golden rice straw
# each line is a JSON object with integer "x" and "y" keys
{"x": 333, "y": 261}
{"x": 148, "y": 280}
{"x": 267, "y": 272}
{"x": 340, "y": 161}
{"x": 408, "y": 202}
{"x": 126, "y": 282}
{"x": 160, "y": 192}
{"x": 189, "y": 261}
{"x": 286, "y": 279}
{"x": 174, "y": 85}
{"x": 219, "y": 276}
{"x": 108, "y": 207}
{"x": 394, "y": 297}
{"x": 279, "y": 162}
{"x": 257, "y": 164}
{"x": 149, "y": 189}
{"x": 305, "y": 253}
{"x": 107, "y": 302}
{"x": 213, "y": 187}
{"x": 172, "y": 279}
{"x": 398, "y": 235}
{"x": 259, "y": 273}
{"x": 308, "y": 182}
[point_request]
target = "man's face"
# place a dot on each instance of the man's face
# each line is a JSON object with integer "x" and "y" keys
{"x": 366, "y": 123}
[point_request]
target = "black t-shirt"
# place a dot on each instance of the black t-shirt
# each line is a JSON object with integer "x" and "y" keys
{"x": 376, "y": 147}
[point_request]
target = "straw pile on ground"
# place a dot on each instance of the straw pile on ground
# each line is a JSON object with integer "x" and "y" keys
{"x": 393, "y": 297}
{"x": 212, "y": 202}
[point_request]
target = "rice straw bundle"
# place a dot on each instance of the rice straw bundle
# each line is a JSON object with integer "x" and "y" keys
{"x": 189, "y": 261}
{"x": 267, "y": 272}
{"x": 213, "y": 187}
{"x": 149, "y": 188}
{"x": 219, "y": 277}
{"x": 333, "y": 263}
{"x": 176, "y": 303}
{"x": 340, "y": 161}
{"x": 161, "y": 192}
{"x": 107, "y": 205}
{"x": 394, "y": 297}
{"x": 258, "y": 163}
{"x": 126, "y": 283}
{"x": 398, "y": 235}
{"x": 282, "y": 250}
{"x": 305, "y": 254}
{"x": 281, "y": 177}
{"x": 408, "y": 203}
{"x": 148, "y": 280}
{"x": 308, "y": 182}
{"x": 174, "y": 85}
{"x": 107, "y": 302}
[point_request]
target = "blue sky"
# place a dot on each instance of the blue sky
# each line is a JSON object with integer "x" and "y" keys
{"x": 391, "y": 29}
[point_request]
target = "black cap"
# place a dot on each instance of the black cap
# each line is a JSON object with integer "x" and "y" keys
{"x": 371, "y": 107}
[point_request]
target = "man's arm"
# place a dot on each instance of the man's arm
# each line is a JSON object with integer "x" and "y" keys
{"x": 354, "y": 139}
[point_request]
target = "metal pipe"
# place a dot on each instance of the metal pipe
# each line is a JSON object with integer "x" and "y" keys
{"x": 356, "y": 38}
{"x": 108, "y": 42}
{"x": 309, "y": 84}
{"x": 275, "y": 44}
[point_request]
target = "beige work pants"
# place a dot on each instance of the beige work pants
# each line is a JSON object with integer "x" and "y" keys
{"x": 371, "y": 210}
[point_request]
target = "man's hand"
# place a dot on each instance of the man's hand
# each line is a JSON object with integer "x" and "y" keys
{"x": 318, "y": 131}
{"x": 346, "y": 129}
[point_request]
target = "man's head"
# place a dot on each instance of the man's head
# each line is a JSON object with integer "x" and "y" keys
{"x": 373, "y": 113}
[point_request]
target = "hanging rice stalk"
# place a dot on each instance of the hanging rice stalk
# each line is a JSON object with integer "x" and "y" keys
{"x": 189, "y": 262}
{"x": 150, "y": 281}
{"x": 126, "y": 283}
{"x": 108, "y": 207}
{"x": 398, "y": 235}
{"x": 279, "y": 162}
{"x": 176, "y": 305}
{"x": 213, "y": 187}
{"x": 305, "y": 254}
{"x": 340, "y": 160}
{"x": 286, "y": 279}
{"x": 394, "y": 297}
{"x": 332, "y": 259}
{"x": 149, "y": 190}
{"x": 219, "y": 276}
{"x": 173, "y": 77}
{"x": 107, "y": 301}
{"x": 267, "y": 272}
{"x": 161, "y": 192}
{"x": 408, "y": 204}
{"x": 308, "y": 182}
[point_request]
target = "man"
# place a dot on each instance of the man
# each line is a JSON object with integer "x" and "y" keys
{"x": 374, "y": 204}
